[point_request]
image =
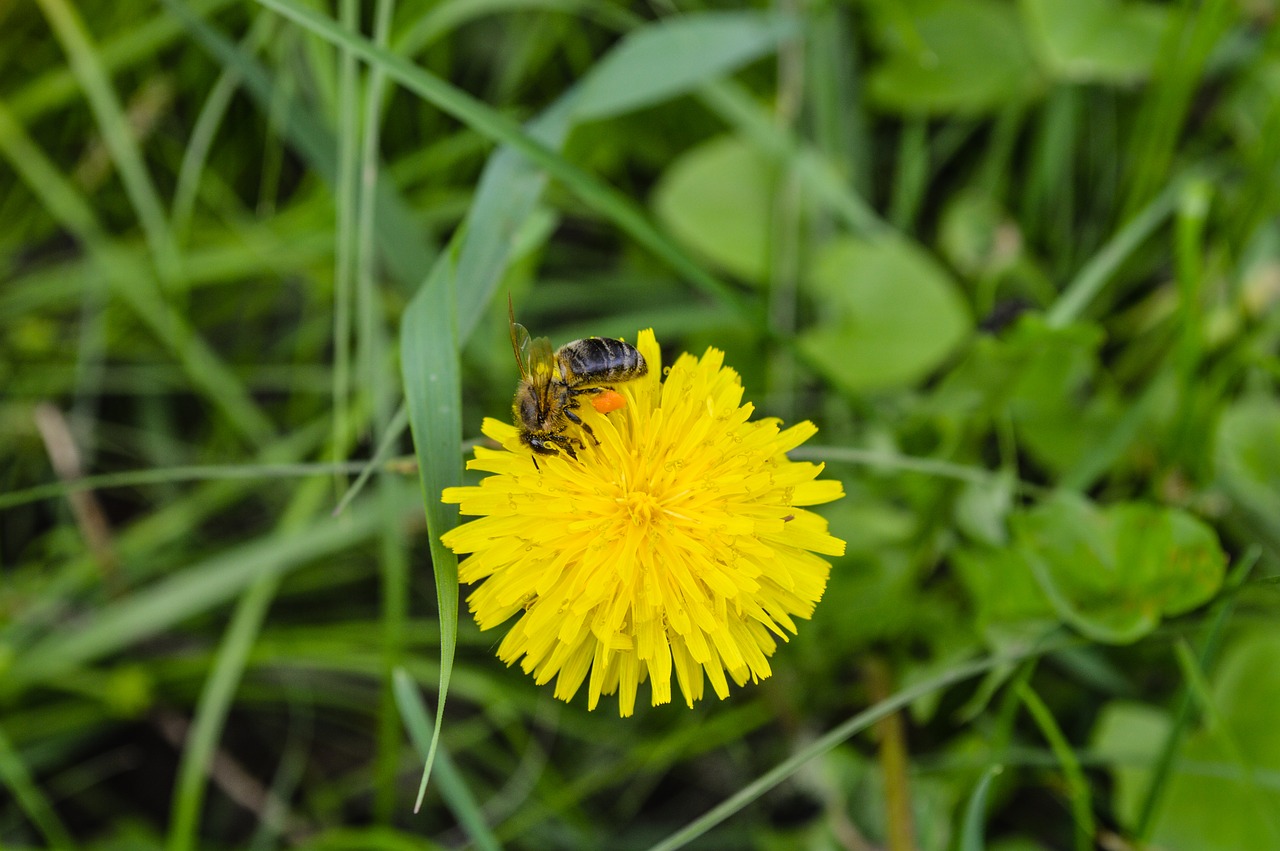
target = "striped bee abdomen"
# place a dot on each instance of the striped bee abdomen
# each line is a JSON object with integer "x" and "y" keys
{"x": 600, "y": 360}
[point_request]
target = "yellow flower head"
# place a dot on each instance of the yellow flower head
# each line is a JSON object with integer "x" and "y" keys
{"x": 678, "y": 543}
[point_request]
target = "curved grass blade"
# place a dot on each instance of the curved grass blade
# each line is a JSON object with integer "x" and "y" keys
{"x": 417, "y": 720}
{"x": 433, "y": 388}
{"x": 877, "y": 459}
{"x": 506, "y": 196}
{"x": 734, "y": 103}
{"x": 205, "y": 129}
{"x": 975, "y": 812}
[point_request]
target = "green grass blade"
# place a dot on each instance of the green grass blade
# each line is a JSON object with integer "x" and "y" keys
{"x": 445, "y": 17}
{"x": 596, "y": 194}
{"x": 841, "y": 124}
{"x": 1095, "y": 274}
{"x": 211, "y": 712}
{"x": 975, "y": 812}
{"x": 910, "y": 175}
{"x": 882, "y": 460}
{"x": 1190, "y": 38}
{"x": 132, "y": 284}
{"x": 196, "y": 154}
{"x": 842, "y": 733}
{"x": 223, "y": 681}
{"x": 506, "y": 196}
{"x": 205, "y": 129}
{"x": 371, "y": 361}
{"x": 58, "y": 87}
{"x": 433, "y": 388}
{"x": 87, "y": 66}
{"x": 454, "y": 790}
{"x": 399, "y": 237}
{"x": 1077, "y": 785}
{"x": 205, "y": 473}
{"x": 196, "y": 589}
{"x": 346, "y": 199}
{"x": 395, "y": 429}
{"x": 29, "y": 797}
{"x": 1223, "y": 608}
{"x": 670, "y": 57}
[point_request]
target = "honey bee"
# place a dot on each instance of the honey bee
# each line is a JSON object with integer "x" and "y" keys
{"x": 552, "y": 381}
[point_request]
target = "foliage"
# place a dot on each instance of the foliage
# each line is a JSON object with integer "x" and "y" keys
{"x": 1019, "y": 260}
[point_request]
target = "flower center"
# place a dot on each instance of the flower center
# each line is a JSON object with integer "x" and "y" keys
{"x": 640, "y": 506}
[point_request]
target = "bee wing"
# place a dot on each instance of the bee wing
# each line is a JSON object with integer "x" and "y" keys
{"x": 519, "y": 340}
{"x": 540, "y": 358}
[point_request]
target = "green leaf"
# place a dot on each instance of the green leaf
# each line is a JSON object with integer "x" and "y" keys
{"x": 977, "y": 236}
{"x": 1046, "y": 379}
{"x": 1131, "y": 735}
{"x": 1026, "y": 367}
{"x": 1114, "y": 573}
{"x": 1209, "y": 805}
{"x": 967, "y": 56}
{"x": 1012, "y": 611}
{"x": 1247, "y": 455}
{"x": 671, "y": 57}
{"x": 717, "y": 198}
{"x": 1096, "y": 41}
{"x": 1168, "y": 554}
{"x": 890, "y": 314}
{"x": 982, "y": 507}
{"x": 878, "y": 601}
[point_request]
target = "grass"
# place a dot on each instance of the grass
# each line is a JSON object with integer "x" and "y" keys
{"x": 252, "y": 286}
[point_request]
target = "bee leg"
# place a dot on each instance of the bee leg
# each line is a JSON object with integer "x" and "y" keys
{"x": 569, "y": 412}
{"x": 593, "y": 390}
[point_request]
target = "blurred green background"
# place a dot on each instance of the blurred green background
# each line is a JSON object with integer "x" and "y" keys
{"x": 1020, "y": 262}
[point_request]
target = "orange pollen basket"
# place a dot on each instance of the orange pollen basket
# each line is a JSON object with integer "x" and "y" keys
{"x": 608, "y": 400}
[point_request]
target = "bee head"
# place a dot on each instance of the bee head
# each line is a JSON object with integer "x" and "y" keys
{"x": 527, "y": 409}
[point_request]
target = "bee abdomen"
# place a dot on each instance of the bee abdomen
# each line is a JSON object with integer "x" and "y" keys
{"x": 599, "y": 360}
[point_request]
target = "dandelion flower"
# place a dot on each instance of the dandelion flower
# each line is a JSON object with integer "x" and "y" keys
{"x": 679, "y": 544}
